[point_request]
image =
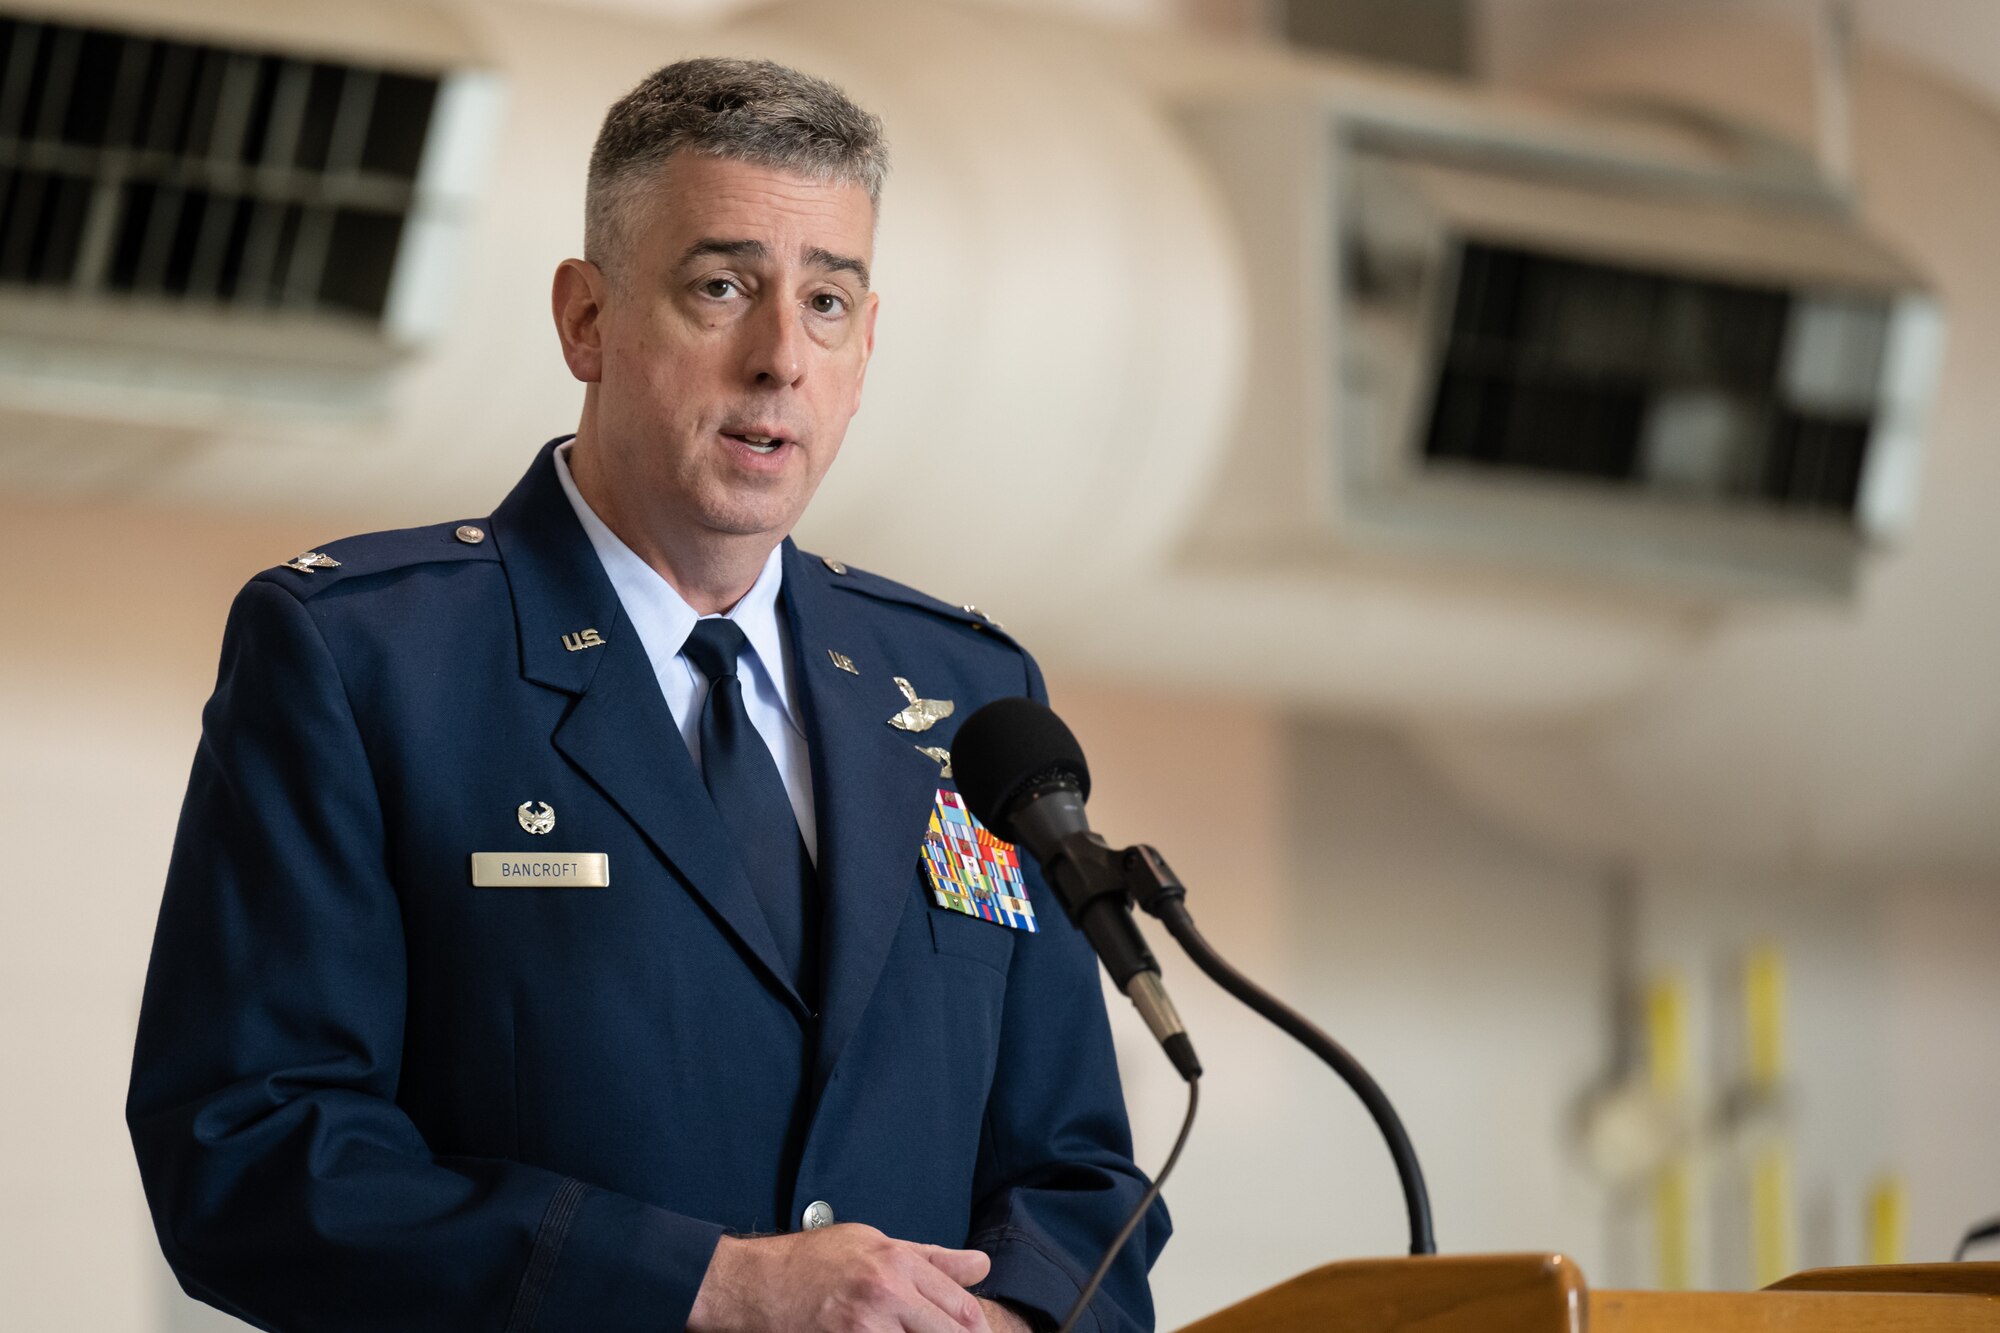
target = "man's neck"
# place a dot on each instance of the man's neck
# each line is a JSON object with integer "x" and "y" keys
{"x": 712, "y": 572}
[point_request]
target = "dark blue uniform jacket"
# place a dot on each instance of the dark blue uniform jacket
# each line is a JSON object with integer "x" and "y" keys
{"x": 367, "y": 1095}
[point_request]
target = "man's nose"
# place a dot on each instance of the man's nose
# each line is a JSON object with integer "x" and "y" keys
{"x": 776, "y": 350}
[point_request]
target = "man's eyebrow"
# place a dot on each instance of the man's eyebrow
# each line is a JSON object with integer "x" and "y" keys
{"x": 712, "y": 245}
{"x": 833, "y": 263}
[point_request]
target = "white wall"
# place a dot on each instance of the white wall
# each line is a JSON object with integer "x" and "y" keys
{"x": 114, "y": 620}
{"x": 1943, "y": 1081}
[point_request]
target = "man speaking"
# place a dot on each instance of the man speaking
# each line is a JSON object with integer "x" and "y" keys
{"x": 572, "y": 923}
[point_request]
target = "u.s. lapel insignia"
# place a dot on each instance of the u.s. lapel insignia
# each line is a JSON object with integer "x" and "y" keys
{"x": 582, "y": 639}
{"x": 939, "y": 755}
{"x": 922, "y": 714}
{"x": 536, "y": 816}
{"x": 970, "y": 870}
{"x": 843, "y": 661}
{"x": 307, "y": 561}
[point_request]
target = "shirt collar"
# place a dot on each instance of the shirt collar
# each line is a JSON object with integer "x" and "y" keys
{"x": 661, "y": 616}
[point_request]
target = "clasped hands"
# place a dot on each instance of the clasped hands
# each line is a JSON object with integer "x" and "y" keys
{"x": 847, "y": 1278}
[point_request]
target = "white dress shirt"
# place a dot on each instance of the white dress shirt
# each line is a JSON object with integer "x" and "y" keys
{"x": 662, "y": 619}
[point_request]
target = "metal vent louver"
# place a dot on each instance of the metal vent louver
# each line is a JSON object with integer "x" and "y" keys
{"x": 179, "y": 173}
{"x": 1658, "y": 381}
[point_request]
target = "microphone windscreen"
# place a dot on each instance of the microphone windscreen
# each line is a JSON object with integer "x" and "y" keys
{"x": 1007, "y": 747}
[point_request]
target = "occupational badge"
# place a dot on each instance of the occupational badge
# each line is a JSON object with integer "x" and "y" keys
{"x": 938, "y": 755}
{"x": 536, "y": 816}
{"x": 972, "y": 871}
{"x": 922, "y": 714}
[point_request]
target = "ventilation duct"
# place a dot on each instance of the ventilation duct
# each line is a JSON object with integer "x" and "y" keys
{"x": 1647, "y": 348}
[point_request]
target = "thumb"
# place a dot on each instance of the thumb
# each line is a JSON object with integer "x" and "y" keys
{"x": 964, "y": 1267}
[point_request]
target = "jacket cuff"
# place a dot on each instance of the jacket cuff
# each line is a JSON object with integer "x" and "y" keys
{"x": 1032, "y": 1279}
{"x": 607, "y": 1263}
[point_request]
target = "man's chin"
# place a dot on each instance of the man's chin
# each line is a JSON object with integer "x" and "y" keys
{"x": 751, "y": 523}
{"x": 751, "y": 511}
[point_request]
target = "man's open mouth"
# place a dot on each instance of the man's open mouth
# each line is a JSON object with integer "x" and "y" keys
{"x": 762, "y": 444}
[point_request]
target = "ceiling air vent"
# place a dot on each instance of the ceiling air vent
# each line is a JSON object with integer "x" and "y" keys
{"x": 190, "y": 223}
{"x": 1651, "y": 349}
{"x": 180, "y": 172}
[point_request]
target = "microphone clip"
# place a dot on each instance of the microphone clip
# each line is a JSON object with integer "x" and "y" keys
{"x": 1151, "y": 883}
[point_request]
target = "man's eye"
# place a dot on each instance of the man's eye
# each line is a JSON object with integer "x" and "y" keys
{"x": 720, "y": 288}
{"x": 828, "y": 303}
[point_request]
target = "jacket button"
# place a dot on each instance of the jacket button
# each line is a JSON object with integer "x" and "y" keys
{"x": 470, "y": 535}
{"x": 818, "y": 1213}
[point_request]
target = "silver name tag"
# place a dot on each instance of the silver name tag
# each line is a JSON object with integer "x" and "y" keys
{"x": 541, "y": 870}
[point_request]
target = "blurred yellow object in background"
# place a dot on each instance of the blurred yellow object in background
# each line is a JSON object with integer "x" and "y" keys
{"x": 1888, "y": 1220}
{"x": 1667, "y": 1067}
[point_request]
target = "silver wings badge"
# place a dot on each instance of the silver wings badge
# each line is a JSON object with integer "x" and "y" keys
{"x": 922, "y": 714}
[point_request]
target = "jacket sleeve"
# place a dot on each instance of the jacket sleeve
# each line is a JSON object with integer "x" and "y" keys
{"x": 286, "y": 1185}
{"x": 1056, "y": 1178}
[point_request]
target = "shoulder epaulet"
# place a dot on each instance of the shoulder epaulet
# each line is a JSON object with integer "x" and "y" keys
{"x": 888, "y": 590}
{"x": 311, "y": 572}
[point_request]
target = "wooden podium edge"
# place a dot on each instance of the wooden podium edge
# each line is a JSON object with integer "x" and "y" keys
{"x": 1478, "y": 1293}
{"x": 1546, "y": 1293}
{"x": 1933, "y": 1279}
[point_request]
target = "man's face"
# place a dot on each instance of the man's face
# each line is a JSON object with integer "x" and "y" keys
{"x": 733, "y": 339}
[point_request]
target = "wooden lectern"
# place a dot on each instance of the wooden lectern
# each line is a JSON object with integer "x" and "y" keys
{"x": 1546, "y": 1293}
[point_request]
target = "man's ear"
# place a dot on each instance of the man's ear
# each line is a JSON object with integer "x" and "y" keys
{"x": 578, "y": 301}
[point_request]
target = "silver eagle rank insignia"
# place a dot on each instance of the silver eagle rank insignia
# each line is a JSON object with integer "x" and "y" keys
{"x": 307, "y": 561}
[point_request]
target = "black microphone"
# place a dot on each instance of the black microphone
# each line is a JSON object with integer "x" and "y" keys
{"x": 1023, "y": 775}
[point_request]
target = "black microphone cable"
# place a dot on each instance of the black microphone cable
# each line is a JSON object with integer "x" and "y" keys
{"x": 1979, "y": 1235}
{"x": 1171, "y": 908}
{"x": 1145, "y": 1203}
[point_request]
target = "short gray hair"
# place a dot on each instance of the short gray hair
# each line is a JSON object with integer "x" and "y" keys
{"x": 755, "y": 111}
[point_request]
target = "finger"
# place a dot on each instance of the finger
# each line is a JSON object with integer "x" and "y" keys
{"x": 949, "y": 1296}
{"x": 964, "y": 1267}
{"x": 925, "y": 1318}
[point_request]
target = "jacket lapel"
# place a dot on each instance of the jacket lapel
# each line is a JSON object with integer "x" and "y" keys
{"x": 872, "y": 789}
{"x": 619, "y": 732}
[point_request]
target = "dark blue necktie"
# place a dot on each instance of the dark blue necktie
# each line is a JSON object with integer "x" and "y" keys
{"x": 743, "y": 781}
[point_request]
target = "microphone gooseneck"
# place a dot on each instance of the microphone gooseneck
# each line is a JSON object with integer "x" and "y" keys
{"x": 1023, "y": 775}
{"x": 1416, "y": 1197}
